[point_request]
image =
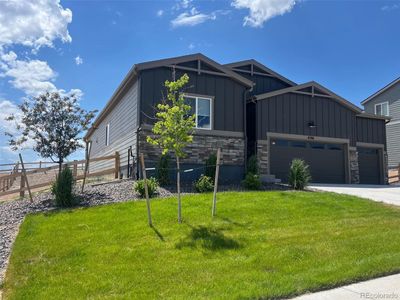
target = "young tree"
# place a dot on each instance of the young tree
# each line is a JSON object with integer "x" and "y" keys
{"x": 53, "y": 123}
{"x": 175, "y": 126}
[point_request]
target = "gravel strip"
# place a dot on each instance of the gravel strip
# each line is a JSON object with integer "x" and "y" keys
{"x": 12, "y": 213}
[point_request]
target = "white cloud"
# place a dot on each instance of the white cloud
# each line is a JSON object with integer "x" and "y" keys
{"x": 390, "y": 7}
{"x": 192, "y": 18}
{"x": 182, "y": 4}
{"x": 263, "y": 10}
{"x": 8, "y": 108}
{"x": 31, "y": 76}
{"x": 78, "y": 60}
{"x": 160, "y": 13}
{"x": 34, "y": 23}
{"x": 191, "y": 46}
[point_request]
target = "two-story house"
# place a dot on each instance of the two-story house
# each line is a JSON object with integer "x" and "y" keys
{"x": 386, "y": 102}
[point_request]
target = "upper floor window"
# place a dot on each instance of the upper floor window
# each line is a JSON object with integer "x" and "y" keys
{"x": 107, "y": 134}
{"x": 382, "y": 109}
{"x": 202, "y": 108}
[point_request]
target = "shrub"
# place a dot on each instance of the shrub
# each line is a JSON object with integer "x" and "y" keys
{"x": 211, "y": 163}
{"x": 204, "y": 184}
{"x": 299, "y": 174}
{"x": 152, "y": 186}
{"x": 252, "y": 182}
{"x": 163, "y": 170}
{"x": 252, "y": 165}
{"x": 62, "y": 189}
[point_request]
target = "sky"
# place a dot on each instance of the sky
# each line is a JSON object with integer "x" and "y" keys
{"x": 87, "y": 47}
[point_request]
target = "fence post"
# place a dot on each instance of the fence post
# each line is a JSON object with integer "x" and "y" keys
{"x": 75, "y": 170}
{"x": 117, "y": 164}
{"x": 40, "y": 164}
{"x": 214, "y": 207}
{"x": 21, "y": 187}
{"x": 398, "y": 173}
{"x": 26, "y": 178}
{"x": 146, "y": 190}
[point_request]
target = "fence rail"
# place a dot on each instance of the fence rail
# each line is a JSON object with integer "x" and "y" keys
{"x": 394, "y": 175}
{"x": 14, "y": 181}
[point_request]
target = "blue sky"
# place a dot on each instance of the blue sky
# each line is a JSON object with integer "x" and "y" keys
{"x": 351, "y": 47}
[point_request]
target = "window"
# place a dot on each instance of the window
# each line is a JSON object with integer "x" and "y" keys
{"x": 299, "y": 144}
{"x": 107, "y": 134}
{"x": 334, "y": 147}
{"x": 317, "y": 146}
{"x": 382, "y": 109}
{"x": 201, "y": 107}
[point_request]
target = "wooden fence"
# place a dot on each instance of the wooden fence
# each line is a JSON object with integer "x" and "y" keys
{"x": 394, "y": 175}
{"x": 41, "y": 177}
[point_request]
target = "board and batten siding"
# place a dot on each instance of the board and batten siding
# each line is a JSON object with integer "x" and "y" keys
{"x": 228, "y": 104}
{"x": 290, "y": 113}
{"x": 264, "y": 84}
{"x": 123, "y": 126}
{"x": 371, "y": 130}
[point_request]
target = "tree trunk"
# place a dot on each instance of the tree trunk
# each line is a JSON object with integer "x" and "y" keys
{"x": 59, "y": 167}
{"x": 178, "y": 185}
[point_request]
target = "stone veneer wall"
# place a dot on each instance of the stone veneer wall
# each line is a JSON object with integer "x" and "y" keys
{"x": 262, "y": 156}
{"x": 200, "y": 149}
{"x": 385, "y": 168}
{"x": 354, "y": 170}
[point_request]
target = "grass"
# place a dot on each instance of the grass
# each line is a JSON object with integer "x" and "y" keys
{"x": 261, "y": 245}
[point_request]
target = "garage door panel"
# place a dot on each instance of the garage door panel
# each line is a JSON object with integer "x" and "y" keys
{"x": 368, "y": 164}
{"x": 326, "y": 165}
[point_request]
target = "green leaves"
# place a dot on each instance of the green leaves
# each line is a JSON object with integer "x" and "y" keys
{"x": 53, "y": 122}
{"x": 175, "y": 125}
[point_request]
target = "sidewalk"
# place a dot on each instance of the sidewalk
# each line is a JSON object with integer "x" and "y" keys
{"x": 381, "y": 288}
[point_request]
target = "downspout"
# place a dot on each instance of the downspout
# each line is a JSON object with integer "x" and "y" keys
{"x": 139, "y": 122}
{"x": 245, "y": 94}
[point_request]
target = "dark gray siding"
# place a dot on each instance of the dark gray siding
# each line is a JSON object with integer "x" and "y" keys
{"x": 371, "y": 131}
{"x": 228, "y": 103}
{"x": 264, "y": 84}
{"x": 290, "y": 113}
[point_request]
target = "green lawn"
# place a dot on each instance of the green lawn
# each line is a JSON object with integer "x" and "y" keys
{"x": 262, "y": 244}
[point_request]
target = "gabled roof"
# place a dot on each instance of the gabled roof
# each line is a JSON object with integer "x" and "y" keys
{"x": 262, "y": 70}
{"x": 202, "y": 62}
{"x": 311, "y": 88}
{"x": 385, "y": 88}
{"x": 198, "y": 57}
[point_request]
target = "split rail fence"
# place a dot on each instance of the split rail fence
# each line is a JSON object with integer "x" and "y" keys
{"x": 12, "y": 181}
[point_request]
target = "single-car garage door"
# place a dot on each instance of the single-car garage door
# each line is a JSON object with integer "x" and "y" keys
{"x": 369, "y": 166}
{"x": 326, "y": 161}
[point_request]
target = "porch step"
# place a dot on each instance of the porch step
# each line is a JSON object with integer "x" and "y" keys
{"x": 269, "y": 179}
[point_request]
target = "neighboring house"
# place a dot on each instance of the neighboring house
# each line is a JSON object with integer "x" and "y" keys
{"x": 245, "y": 108}
{"x": 386, "y": 102}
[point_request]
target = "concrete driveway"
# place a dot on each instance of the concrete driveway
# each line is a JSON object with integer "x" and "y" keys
{"x": 382, "y": 193}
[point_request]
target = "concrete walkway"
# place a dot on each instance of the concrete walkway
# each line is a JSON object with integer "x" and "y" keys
{"x": 382, "y": 193}
{"x": 382, "y": 288}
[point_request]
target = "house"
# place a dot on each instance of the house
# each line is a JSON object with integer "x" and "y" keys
{"x": 245, "y": 108}
{"x": 386, "y": 102}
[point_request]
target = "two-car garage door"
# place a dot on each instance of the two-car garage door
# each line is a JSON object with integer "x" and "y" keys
{"x": 326, "y": 161}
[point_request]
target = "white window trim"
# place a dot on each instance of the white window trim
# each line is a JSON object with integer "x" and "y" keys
{"x": 108, "y": 134}
{"x": 196, "y": 97}
{"x": 380, "y": 104}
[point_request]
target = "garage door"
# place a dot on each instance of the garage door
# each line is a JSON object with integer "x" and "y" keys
{"x": 369, "y": 166}
{"x": 326, "y": 161}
